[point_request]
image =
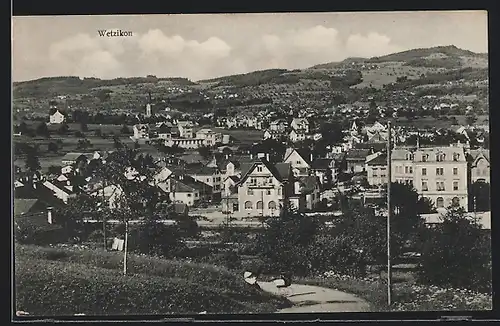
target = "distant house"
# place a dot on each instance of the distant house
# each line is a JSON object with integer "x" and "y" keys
{"x": 325, "y": 170}
{"x": 279, "y": 125}
{"x": 209, "y": 137}
{"x": 230, "y": 185}
{"x": 185, "y": 129}
{"x": 209, "y": 175}
{"x": 73, "y": 158}
{"x": 310, "y": 188}
{"x": 61, "y": 189}
{"x": 356, "y": 159}
{"x": 300, "y": 125}
{"x": 57, "y": 117}
{"x": 141, "y": 131}
{"x": 297, "y": 136}
{"x": 183, "y": 189}
{"x": 273, "y": 134}
{"x": 479, "y": 162}
{"x": 299, "y": 160}
{"x": 376, "y": 170}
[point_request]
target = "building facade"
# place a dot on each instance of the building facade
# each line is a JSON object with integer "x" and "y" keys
{"x": 438, "y": 173}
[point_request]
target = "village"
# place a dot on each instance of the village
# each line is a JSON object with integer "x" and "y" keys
{"x": 222, "y": 180}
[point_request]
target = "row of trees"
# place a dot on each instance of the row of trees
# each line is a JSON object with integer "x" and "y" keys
{"x": 304, "y": 245}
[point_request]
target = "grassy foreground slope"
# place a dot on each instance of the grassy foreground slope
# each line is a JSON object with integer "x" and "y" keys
{"x": 65, "y": 282}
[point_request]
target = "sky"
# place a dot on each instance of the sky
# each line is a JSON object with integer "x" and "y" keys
{"x": 205, "y": 46}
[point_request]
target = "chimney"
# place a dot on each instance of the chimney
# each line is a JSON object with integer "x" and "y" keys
{"x": 267, "y": 157}
{"x": 49, "y": 215}
{"x": 227, "y": 156}
{"x": 251, "y": 156}
{"x": 311, "y": 157}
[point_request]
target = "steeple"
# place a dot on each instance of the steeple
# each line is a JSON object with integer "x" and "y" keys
{"x": 148, "y": 106}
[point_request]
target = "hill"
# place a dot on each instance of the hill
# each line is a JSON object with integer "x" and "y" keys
{"x": 59, "y": 282}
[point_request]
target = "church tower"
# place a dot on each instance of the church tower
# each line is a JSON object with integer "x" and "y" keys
{"x": 148, "y": 106}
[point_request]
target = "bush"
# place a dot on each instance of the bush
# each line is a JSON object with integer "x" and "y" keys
{"x": 457, "y": 253}
{"x": 27, "y": 232}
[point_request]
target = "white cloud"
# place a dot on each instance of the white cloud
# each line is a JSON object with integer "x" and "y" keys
{"x": 371, "y": 45}
{"x": 155, "y": 52}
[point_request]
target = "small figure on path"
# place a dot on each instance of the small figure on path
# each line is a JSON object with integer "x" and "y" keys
{"x": 251, "y": 278}
{"x": 283, "y": 282}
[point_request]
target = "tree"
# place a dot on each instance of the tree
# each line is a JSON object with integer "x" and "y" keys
{"x": 117, "y": 144}
{"x": 83, "y": 144}
{"x": 32, "y": 163}
{"x": 83, "y": 127}
{"x": 205, "y": 152}
{"x": 52, "y": 147}
{"x": 470, "y": 119}
{"x": 285, "y": 242}
{"x": 54, "y": 169}
{"x": 480, "y": 196}
{"x": 42, "y": 130}
{"x": 63, "y": 129}
{"x": 457, "y": 253}
{"x": 72, "y": 215}
{"x": 125, "y": 130}
{"x": 357, "y": 239}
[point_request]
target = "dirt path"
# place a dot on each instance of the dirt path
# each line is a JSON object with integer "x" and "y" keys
{"x": 308, "y": 298}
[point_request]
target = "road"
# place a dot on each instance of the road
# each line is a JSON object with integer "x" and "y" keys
{"x": 308, "y": 298}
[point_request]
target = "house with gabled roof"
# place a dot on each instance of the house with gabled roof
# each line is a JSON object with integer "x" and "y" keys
{"x": 300, "y": 125}
{"x": 208, "y": 174}
{"x": 56, "y": 117}
{"x": 376, "y": 170}
{"x": 356, "y": 159}
{"x": 184, "y": 189}
{"x": 299, "y": 160}
{"x": 325, "y": 169}
{"x": 309, "y": 187}
{"x": 479, "y": 165}
{"x": 263, "y": 187}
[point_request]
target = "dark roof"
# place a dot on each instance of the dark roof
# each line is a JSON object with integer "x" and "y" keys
{"x": 376, "y": 146}
{"x": 202, "y": 170}
{"x": 76, "y": 156}
{"x": 280, "y": 171}
{"x": 24, "y": 206}
{"x": 304, "y": 153}
{"x": 235, "y": 178}
{"x": 357, "y": 154}
{"x": 474, "y": 153}
{"x": 379, "y": 160}
{"x": 321, "y": 163}
{"x": 41, "y": 193}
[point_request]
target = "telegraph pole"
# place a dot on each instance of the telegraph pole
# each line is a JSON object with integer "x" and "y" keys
{"x": 125, "y": 249}
{"x": 389, "y": 213}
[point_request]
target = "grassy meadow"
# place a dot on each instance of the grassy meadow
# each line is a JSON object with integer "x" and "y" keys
{"x": 56, "y": 281}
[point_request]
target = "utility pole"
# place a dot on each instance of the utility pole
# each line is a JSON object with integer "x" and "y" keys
{"x": 389, "y": 213}
{"x": 125, "y": 249}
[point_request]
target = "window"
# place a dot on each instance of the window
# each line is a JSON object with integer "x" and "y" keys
{"x": 456, "y": 156}
{"x": 248, "y": 205}
{"x": 259, "y": 168}
{"x": 455, "y": 171}
{"x": 260, "y": 205}
{"x": 298, "y": 162}
{"x": 249, "y": 192}
{"x": 411, "y": 169}
{"x": 208, "y": 179}
{"x": 189, "y": 195}
{"x": 406, "y": 169}
{"x": 375, "y": 172}
{"x": 196, "y": 194}
{"x": 440, "y": 202}
{"x": 424, "y": 186}
{"x": 455, "y": 201}
{"x": 253, "y": 181}
{"x": 455, "y": 185}
{"x": 268, "y": 192}
{"x": 424, "y": 171}
{"x": 235, "y": 207}
{"x": 439, "y": 171}
{"x": 424, "y": 157}
{"x": 440, "y": 157}
{"x": 279, "y": 191}
{"x": 440, "y": 186}
{"x": 272, "y": 205}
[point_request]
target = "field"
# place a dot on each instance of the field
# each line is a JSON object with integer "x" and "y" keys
{"x": 388, "y": 73}
{"x": 91, "y": 282}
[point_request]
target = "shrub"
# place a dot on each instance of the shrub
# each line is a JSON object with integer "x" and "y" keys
{"x": 457, "y": 253}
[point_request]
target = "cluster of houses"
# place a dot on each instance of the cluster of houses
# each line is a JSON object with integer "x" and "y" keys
{"x": 296, "y": 131}
{"x": 182, "y": 134}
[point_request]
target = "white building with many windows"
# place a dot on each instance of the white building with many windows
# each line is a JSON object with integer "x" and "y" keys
{"x": 438, "y": 173}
